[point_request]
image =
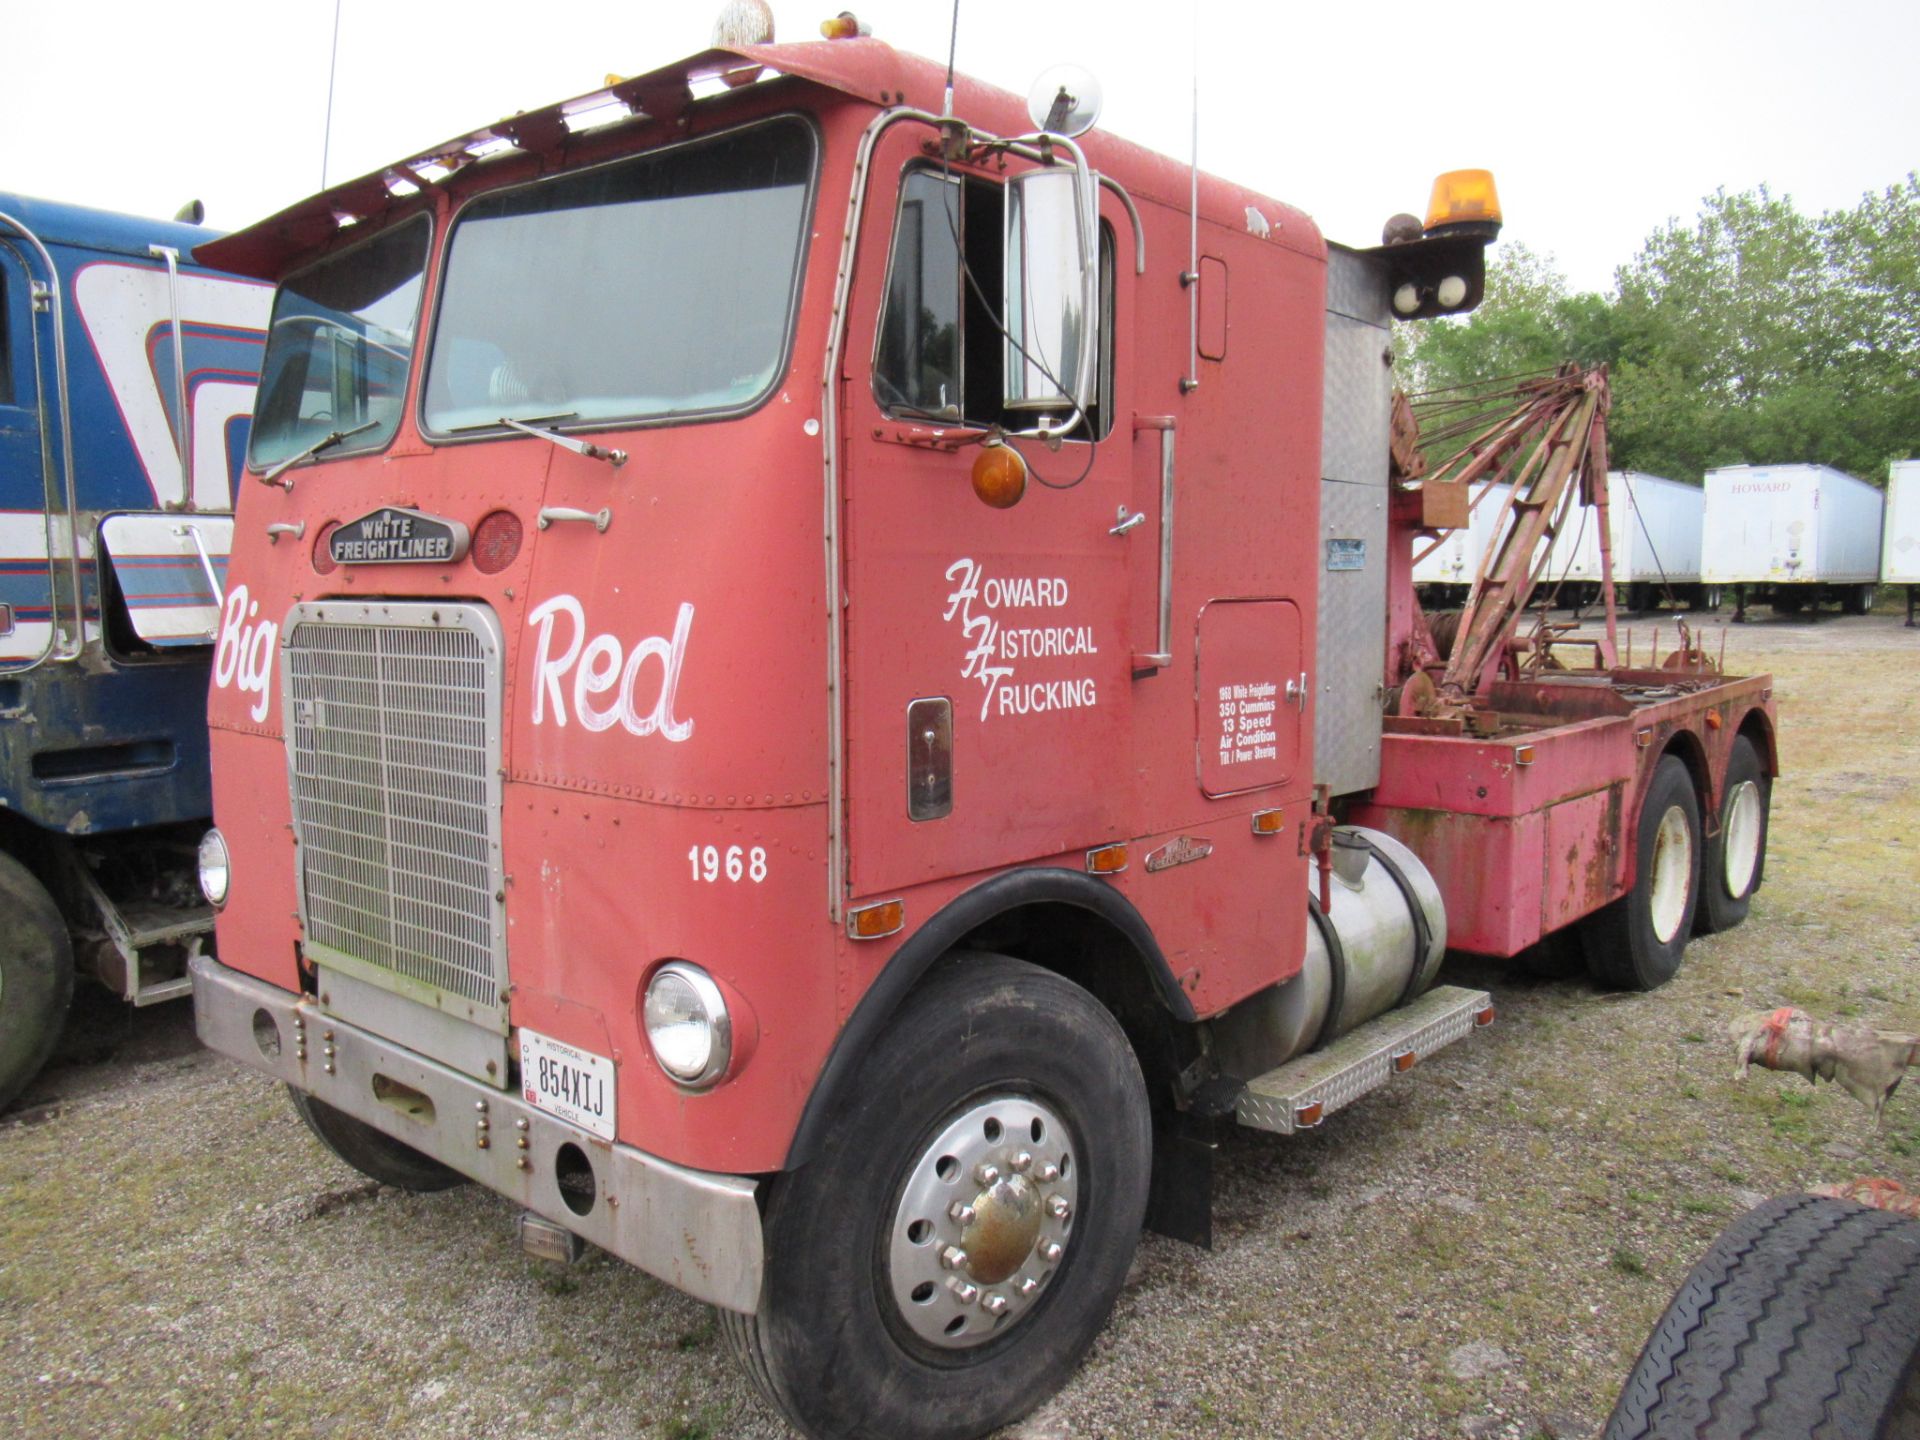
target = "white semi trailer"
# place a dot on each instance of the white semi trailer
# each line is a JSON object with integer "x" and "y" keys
{"x": 1654, "y": 527}
{"x": 1792, "y": 536}
{"x": 1900, "y": 546}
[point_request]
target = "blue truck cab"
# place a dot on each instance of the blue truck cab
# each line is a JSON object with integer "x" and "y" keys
{"x": 127, "y": 375}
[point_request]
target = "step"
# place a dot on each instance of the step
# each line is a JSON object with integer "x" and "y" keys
{"x": 1303, "y": 1092}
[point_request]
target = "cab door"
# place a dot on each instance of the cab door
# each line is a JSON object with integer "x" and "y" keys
{"x": 986, "y": 649}
{"x": 26, "y": 576}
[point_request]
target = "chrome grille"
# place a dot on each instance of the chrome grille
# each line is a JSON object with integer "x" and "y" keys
{"x": 393, "y": 752}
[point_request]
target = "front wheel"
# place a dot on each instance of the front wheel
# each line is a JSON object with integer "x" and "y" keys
{"x": 1636, "y": 943}
{"x": 36, "y": 977}
{"x": 946, "y": 1258}
{"x": 1736, "y": 858}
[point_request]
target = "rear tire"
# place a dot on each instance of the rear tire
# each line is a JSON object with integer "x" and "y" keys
{"x": 375, "y": 1154}
{"x": 36, "y": 977}
{"x": 1802, "y": 1323}
{"x": 1736, "y": 858}
{"x": 867, "y": 1330}
{"x": 1858, "y": 600}
{"x": 1636, "y": 943}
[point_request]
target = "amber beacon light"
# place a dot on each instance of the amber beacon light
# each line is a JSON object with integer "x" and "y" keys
{"x": 1463, "y": 197}
{"x": 999, "y": 475}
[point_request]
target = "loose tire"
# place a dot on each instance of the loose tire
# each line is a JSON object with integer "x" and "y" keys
{"x": 1802, "y": 1323}
{"x": 1736, "y": 858}
{"x": 36, "y": 977}
{"x": 375, "y": 1154}
{"x": 912, "y": 1295}
{"x": 1636, "y": 943}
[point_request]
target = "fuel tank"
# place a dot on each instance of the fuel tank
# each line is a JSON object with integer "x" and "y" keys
{"x": 1377, "y": 946}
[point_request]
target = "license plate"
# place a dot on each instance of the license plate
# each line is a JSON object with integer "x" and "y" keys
{"x": 571, "y": 1083}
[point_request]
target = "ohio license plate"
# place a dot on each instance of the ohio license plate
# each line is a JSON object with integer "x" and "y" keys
{"x": 562, "y": 1080}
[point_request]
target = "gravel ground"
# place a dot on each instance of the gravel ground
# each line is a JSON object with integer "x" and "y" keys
{"x": 1477, "y": 1251}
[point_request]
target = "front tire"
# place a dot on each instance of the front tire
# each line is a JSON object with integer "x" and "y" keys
{"x": 945, "y": 1260}
{"x": 1736, "y": 858}
{"x": 36, "y": 977}
{"x": 1802, "y": 1323}
{"x": 375, "y": 1154}
{"x": 1637, "y": 942}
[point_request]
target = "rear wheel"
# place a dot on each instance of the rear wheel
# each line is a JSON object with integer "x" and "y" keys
{"x": 1736, "y": 858}
{"x": 1802, "y": 1323}
{"x": 946, "y": 1258}
{"x": 36, "y": 977}
{"x": 1858, "y": 600}
{"x": 1636, "y": 943}
{"x": 375, "y": 1154}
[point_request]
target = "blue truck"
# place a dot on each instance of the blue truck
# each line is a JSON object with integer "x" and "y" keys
{"x": 127, "y": 375}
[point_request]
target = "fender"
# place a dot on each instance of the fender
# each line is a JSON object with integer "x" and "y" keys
{"x": 947, "y": 929}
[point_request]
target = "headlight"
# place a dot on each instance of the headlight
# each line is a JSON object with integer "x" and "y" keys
{"x": 213, "y": 868}
{"x": 687, "y": 1024}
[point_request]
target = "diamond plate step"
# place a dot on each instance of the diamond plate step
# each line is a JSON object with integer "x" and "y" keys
{"x": 1303, "y": 1092}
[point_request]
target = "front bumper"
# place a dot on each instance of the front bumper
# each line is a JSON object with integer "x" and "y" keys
{"x": 696, "y": 1231}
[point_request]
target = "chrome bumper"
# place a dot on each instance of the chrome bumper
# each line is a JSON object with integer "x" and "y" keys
{"x": 696, "y": 1231}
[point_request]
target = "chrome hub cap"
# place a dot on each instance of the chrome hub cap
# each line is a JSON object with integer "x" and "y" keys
{"x": 1672, "y": 874}
{"x": 983, "y": 1221}
{"x": 1740, "y": 838}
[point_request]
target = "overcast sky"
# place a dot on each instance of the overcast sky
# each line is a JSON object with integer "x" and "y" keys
{"x": 1599, "y": 121}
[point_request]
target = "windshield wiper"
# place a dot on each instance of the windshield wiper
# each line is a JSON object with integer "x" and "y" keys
{"x": 327, "y": 441}
{"x": 537, "y": 425}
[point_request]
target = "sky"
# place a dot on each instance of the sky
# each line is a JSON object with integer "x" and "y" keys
{"x": 1599, "y": 122}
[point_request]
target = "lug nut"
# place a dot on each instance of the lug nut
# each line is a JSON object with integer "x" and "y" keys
{"x": 960, "y": 1212}
{"x": 1021, "y": 1163}
{"x": 953, "y": 1257}
{"x": 987, "y": 1175}
{"x": 965, "y": 1293}
{"x": 1058, "y": 1207}
{"x": 1048, "y": 1173}
{"x": 995, "y": 1305}
{"x": 1051, "y": 1252}
{"x": 1029, "y": 1287}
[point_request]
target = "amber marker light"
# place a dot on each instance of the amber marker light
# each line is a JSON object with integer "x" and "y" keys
{"x": 999, "y": 475}
{"x": 1405, "y": 1060}
{"x": 843, "y": 27}
{"x": 1463, "y": 197}
{"x": 1308, "y": 1116}
{"x": 1715, "y": 720}
{"x": 1107, "y": 860}
{"x": 1523, "y": 754}
{"x": 1269, "y": 822}
{"x": 1483, "y": 1018}
{"x": 875, "y": 922}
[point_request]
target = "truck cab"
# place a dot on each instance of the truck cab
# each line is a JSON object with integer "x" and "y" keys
{"x": 126, "y": 391}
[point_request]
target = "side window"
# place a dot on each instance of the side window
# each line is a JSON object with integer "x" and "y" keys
{"x": 941, "y": 342}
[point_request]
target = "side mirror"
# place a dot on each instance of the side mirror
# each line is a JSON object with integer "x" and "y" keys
{"x": 1051, "y": 295}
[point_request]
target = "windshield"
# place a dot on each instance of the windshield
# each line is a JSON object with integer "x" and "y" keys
{"x": 658, "y": 286}
{"x": 338, "y": 349}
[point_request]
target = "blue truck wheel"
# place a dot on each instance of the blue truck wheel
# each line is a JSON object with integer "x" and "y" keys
{"x": 36, "y": 977}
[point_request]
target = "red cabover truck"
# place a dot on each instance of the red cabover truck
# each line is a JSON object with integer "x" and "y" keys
{"x": 818, "y": 688}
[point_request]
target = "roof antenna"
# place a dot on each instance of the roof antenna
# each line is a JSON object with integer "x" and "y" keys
{"x": 333, "y": 66}
{"x": 1190, "y": 280}
{"x": 953, "y": 45}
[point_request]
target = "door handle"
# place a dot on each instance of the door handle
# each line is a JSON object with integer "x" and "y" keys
{"x": 1128, "y": 522}
{"x": 1297, "y": 691}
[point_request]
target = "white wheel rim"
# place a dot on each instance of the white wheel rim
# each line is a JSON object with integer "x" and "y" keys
{"x": 1672, "y": 873}
{"x": 1740, "y": 839}
{"x": 983, "y": 1221}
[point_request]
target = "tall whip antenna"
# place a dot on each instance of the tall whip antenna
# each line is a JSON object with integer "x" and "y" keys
{"x": 333, "y": 66}
{"x": 953, "y": 46}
